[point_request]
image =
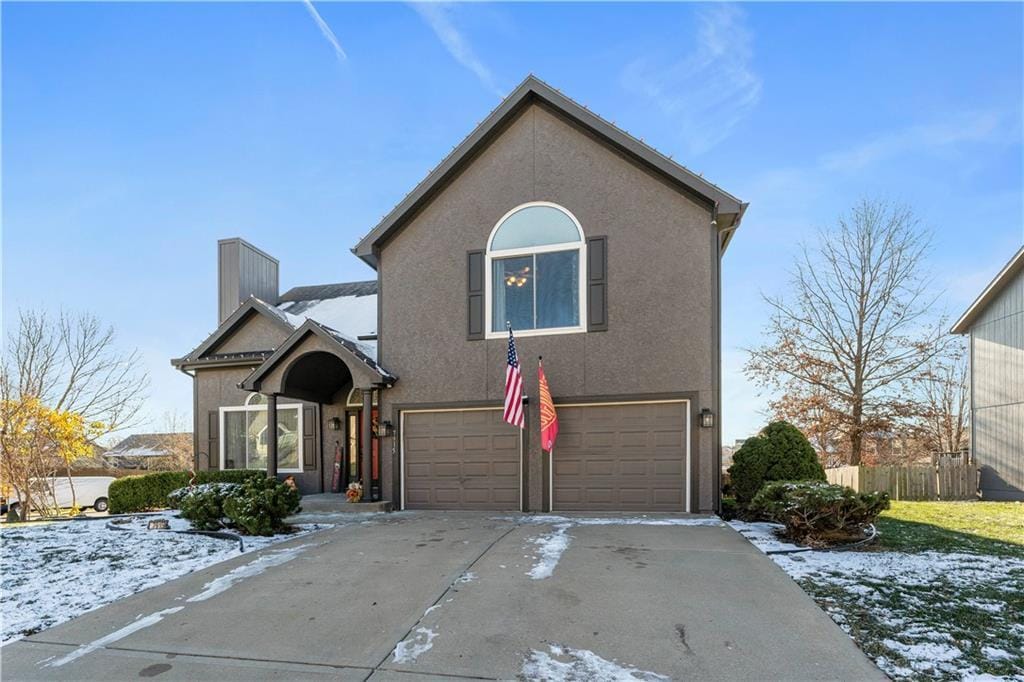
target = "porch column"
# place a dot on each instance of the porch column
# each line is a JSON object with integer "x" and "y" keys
{"x": 272, "y": 435}
{"x": 366, "y": 445}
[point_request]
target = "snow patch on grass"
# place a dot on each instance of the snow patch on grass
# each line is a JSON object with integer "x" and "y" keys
{"x": 580, "y": 665}
{"x": 412, "y": 647}
{"x": 550, "y": 547}
{"x": 922, "y": 615}
{"x": 53, "y": 572}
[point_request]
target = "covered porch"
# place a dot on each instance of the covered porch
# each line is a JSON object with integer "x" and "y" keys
{"x": 321, "y": 367}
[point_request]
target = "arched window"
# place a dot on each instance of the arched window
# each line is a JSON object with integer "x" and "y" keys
{"x": 534, "y": 258}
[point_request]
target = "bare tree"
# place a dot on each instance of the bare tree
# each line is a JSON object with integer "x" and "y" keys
{"x": 71, "y": 363}
{"x": 63, "y": 385}
{"x": 815, "y": 412}
{"x": 858, "y": 324}
{"x": 945, "y": 400}
{"x": 176, "y": 441}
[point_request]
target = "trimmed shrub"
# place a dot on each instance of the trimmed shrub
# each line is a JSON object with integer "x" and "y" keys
{"x": 779, "y": 453}
{"x": 203, "y": 504}
{"x": 728, "y": 511}
{"x": 819, "y": 514}
{"x": 261, "y": 506}
{"x": 145, "y": 493}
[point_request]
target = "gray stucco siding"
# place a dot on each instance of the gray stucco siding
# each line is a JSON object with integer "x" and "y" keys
{"x": 662, "y": 291}
{"x": 217, "y": 388}
{"x": 257, "y": 333}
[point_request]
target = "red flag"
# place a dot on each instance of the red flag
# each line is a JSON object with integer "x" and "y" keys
{"x": 548, "y": 417}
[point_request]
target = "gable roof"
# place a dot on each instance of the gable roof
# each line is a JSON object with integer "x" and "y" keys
{"x": 251, "y": 306}
{"x": 147, "y": 444}
{"x": 533, "y": 90}
{"x": 350, "y": 306}
{"x": 994, "y": 288}
{"x": 344, "y": 347}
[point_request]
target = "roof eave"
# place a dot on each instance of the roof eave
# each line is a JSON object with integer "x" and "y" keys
{"x": 529, "y": 90}
{"x": 994, "y": 288}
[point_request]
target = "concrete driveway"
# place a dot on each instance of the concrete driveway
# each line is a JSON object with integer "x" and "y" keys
{"x": 412, "y": 596}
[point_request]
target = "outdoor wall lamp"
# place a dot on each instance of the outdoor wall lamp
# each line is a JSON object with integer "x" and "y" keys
{"x": 707, "y": 418}
{"x": 385, "y": 429}
{"x": 334, "y": 424}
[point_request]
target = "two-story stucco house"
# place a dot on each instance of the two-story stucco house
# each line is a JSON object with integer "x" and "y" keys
{"x": 995, "y": 326}
{"x": 605, "y": 257}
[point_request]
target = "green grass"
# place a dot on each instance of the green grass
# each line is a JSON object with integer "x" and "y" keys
{"x": 995, "y": 528}
{"x": 968, "y": 593}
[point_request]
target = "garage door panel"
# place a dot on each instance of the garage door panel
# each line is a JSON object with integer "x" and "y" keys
{"x": 467, "y": 459}
{"x": 620, "y": 458}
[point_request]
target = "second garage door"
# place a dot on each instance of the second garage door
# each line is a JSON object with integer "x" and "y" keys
{"x": 462, "y": 459}
{"x": 622, "y": 457}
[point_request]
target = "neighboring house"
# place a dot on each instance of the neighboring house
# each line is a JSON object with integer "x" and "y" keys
{"x": 151, "y": 451}
{"x": 602, "y": 253}
{"x": 995, "y": 323}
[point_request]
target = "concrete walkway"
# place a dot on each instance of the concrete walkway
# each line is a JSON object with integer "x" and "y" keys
{"x": 417, "y": 596}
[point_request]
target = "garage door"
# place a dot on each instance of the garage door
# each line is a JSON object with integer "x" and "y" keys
{"x": 467, "y": 459}
{"x": 623, "y": 457}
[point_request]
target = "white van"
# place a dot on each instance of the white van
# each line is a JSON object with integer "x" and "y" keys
{"x": 89, "y": 491}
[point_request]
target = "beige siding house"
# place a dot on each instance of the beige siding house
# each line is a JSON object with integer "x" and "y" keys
{"x": 995, "y": 323}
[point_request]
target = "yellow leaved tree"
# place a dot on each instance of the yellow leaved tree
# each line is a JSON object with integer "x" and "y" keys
{"x": 36, "y": 442}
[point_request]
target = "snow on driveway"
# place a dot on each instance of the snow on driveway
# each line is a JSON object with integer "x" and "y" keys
{"x": 53, "y": 572}
{"x": 580, "y": 665}
{"x": 895, "y": 604}
{"x": 551, "y": 546}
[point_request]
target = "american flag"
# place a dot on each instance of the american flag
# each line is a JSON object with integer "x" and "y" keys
{"x": 513, "y": 386}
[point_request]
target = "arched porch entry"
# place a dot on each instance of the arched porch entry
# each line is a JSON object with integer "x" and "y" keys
{"x": 317, "y": 365}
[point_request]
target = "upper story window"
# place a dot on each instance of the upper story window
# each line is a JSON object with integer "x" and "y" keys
{"x": 536, "y": 282}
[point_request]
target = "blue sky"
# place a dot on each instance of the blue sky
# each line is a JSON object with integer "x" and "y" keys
{"x": 136, "y": 135}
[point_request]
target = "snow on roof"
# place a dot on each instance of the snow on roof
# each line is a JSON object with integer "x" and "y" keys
{"x": 349, "y": 316}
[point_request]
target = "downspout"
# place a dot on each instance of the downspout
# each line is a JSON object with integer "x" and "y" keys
{"x": 195, "y": 417}
{"x": 716, "y": 476}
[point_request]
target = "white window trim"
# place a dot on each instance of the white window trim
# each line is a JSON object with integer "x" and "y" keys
{"x": 263, "y": 408}
{"x": 490, "y": 255}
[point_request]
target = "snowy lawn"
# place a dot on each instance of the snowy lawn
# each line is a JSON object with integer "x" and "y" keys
{"x": 939, "y": 597}
{"x": 53, "y": 572}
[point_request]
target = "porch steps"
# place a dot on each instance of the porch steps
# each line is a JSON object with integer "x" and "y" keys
{"x": 334, "y": 503}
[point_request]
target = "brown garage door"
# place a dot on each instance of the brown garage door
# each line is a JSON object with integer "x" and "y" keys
{"x": 626, "y": 457}
{"x": 466, "y": 459}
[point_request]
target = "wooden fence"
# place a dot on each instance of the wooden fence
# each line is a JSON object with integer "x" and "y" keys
{"x": 942, "y": 481}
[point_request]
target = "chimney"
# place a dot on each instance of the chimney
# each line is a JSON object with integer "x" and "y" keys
{"x": 243, "y": 271}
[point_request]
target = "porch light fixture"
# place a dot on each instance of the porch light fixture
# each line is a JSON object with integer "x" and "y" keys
{"x": 707, "y": 418}
{"x": 385, "y": 429}
{"x": 334, "y": 424}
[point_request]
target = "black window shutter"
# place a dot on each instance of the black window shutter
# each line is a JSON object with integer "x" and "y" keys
{"x": 475, "y": 295}
{"x": 213, "y": 440}
{"x": 309, "y": 427}
{"x": 597, "y": 284}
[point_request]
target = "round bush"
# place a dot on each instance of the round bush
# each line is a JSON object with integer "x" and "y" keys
{"x": 779, "y": 453}
{"x": 203, "y": 504}
{"x": 819, "y": 514}
{"x": 260, "y": 506}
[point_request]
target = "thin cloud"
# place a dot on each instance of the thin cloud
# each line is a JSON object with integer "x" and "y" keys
{"x": 438, "y": 17}
{"x": 969, "y": 127}
{"x": 326, "y": 31}
{"x": 708, "y": 91}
